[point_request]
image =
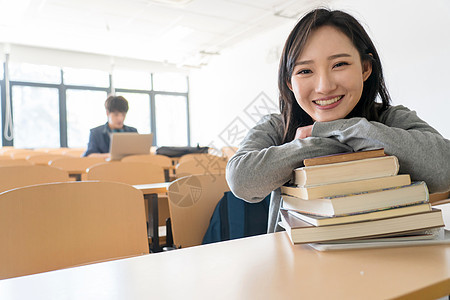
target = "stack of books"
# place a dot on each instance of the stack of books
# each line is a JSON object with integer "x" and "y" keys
{"x": 356, "y": 196}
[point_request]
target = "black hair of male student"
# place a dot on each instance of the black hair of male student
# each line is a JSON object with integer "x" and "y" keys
{"x": 293, "y": 115}
{"x": 116, "y": 103}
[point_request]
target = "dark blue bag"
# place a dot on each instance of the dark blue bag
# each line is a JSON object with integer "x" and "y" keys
{"x": 234, "y": 218}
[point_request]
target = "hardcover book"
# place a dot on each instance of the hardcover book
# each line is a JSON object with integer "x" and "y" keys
{"x": 301, "y": 232}
{"x": 343, "y": 157}
{"x": 374, "y": 215}
{"x": 360, "y": 202}
{"x": 346, "y": 171}
{"x": 350, "y": 187}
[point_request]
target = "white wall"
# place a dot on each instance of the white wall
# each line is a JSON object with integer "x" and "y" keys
{"x": 413, "y": 40}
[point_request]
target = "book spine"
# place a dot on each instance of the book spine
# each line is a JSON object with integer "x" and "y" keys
{"x": 353, "y": 170}
{"x": 344, "y": 157}
{"x": 342, "y": 205}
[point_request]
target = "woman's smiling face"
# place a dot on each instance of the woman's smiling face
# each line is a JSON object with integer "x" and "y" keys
{"x": 328, "y": 76}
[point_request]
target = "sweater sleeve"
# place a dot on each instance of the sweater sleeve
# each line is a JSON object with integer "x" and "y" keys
{"x": 263, "y": 163}
{"x": 422, "y": 152}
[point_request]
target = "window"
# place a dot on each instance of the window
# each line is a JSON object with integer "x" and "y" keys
{"x": 132, "y": 80}
{"x": 38, "y": 120}
{"x": 85, "y": 110}
{"x": 35, "y": 117}
{"x": 138, "y": 115}
{"x": 34, "y": 73}
{"x": 170, "y": 82}
{"x": 84, "y": 77}
{"x": 171, "y": 120}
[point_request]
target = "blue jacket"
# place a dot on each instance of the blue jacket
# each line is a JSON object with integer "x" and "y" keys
{"x": 99, "y": 139}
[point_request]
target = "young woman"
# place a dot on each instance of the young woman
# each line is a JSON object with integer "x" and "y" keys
{"x": 332, "y": 100}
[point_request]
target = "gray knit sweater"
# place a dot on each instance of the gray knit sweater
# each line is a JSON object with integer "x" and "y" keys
{"x": 263, "y": 164}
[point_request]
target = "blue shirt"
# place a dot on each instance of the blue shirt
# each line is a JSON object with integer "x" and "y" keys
{"x": 100, "y": 138}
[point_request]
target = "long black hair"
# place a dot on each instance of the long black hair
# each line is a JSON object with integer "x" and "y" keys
{"x": 293, "y": 115}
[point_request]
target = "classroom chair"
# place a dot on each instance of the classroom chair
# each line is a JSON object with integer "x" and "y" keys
{"x": 132, "y": 173}
{"x": 192, "y": 200}
{"x": 76, "y": 166}
{"x": 126, "y": 172}
{"x": 25, "y": 155}
{"x": 161, "y": 160}
{"x": 198, "y": 157}
{"x": 9, "y": 162}
{"x": 228, "y": 152}
{"x": 18, "y": 176}
{"x": 53, "y": 226}
{"x": 56, "y": 150}
{"x": 200, "y": 166}
{"x": 9, "y": 150}
{"x": 75, "y": 152}
{"x": 43, "y": 159}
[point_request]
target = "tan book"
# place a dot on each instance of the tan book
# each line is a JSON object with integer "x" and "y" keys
{"x": 350, "y": 187}
{"x": 360, "y": 202}
{"x": 343, "y": 157}
{"x": 375, "y": 215}
{"x": 301, "y": 232}
{"x": 346, "y": 171}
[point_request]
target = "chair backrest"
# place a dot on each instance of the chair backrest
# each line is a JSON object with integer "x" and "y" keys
{"x": 14, "y": 162}
{"x": 10, "y": 150}
{"x": 43, "y": 159}
{"x": 156, "y": 159}
{"x": 197, "y": 156}
{"x": 127, "y": 172}
{"x": 25, "y": 154}
{"x": 215, "y": 165}
{"x": 5, "y": 149}
{"x": 74, "y": 152}
{"x": 53, "y": 226}
{"x": 76, "y": 164}
{"x": 228, "y": 152}
{"x": 56, "y": 150}
{"x": 18, "y": 176}
{"x": 192, "y": 200}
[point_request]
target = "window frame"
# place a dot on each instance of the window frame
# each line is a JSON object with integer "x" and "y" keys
{"x": 62, "y": 89}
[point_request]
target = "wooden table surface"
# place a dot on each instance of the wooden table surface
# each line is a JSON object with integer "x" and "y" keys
{"x": 261, "y": 267}
{"x": 153, "y": 187}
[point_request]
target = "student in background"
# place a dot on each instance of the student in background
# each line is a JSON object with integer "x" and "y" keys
{"x": 100, "y": 137}
{"x": 329, "y": 79}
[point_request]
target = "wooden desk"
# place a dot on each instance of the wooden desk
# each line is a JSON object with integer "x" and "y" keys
{"x": 151, "y": 192}
{"x": 262, "y": 267}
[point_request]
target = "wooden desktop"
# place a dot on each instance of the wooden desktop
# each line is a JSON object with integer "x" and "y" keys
{"x": 261, "y": 267}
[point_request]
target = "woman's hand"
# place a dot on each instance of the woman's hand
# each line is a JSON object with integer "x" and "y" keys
{"x": 303, "y": 132}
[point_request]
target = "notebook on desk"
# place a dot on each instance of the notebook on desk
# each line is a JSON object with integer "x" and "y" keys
{"x": 129, "y": 143}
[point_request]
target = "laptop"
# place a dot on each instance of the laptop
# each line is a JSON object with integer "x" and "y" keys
{"x": 129, "y": 143}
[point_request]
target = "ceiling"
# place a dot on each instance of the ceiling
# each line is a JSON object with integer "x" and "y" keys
{"x": 182, "y": 32}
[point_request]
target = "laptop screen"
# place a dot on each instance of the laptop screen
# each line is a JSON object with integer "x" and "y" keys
{"x": 129, "y": 143}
